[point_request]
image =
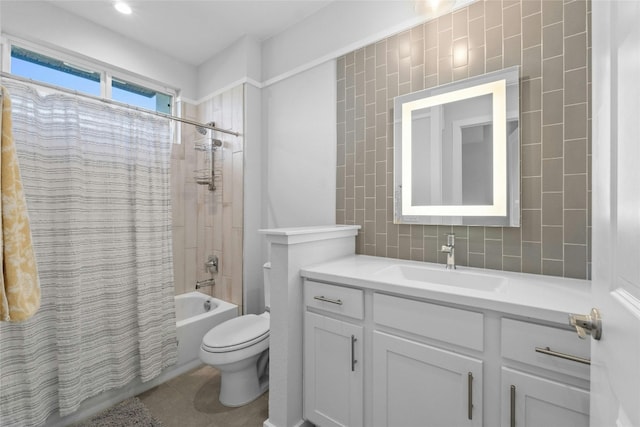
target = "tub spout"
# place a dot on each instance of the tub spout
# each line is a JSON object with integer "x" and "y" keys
{"x": 205, "y": 283}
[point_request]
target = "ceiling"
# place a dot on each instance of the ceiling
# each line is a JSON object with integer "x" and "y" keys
{"x": 190, "y": 30}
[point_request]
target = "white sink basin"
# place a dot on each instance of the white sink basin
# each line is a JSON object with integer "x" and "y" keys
{"x": 454, "y": 278}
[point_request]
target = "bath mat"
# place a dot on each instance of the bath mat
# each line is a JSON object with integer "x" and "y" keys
{"x": 130, "y": 412}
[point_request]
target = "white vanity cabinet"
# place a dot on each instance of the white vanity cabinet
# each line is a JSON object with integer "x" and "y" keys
{"x": 417, "y": 384}
{"x": 554, "y": 389}
{"x": 333, "y": 368}
{"x": 380, "y": 353}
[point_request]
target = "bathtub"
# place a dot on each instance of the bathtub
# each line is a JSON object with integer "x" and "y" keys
{"x": 193, "y": 322}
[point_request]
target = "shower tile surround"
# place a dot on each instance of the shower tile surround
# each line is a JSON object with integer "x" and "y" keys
{"x": 204, "y": 222}
{"x": 551, "y": 41}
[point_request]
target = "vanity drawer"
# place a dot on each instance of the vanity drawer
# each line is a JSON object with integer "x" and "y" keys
{"x": 521, "y": 339}
{"x": 452, "y": 325}
{"x": 334, "y": 299}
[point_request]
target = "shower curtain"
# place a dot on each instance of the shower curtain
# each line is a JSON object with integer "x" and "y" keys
{"x": 96, "y": 181}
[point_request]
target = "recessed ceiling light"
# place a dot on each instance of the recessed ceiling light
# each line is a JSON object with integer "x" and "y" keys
{"x": 122, "y": 7}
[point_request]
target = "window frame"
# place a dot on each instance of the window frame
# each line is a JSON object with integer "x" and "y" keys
{"x": 107, "y": 72}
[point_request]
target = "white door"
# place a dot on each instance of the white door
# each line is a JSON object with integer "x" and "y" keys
{"x": 532, "y": 401}
{"x": 333, "y": 387}
{"x": 615, "y": 371}
{"x": 416, "y": 385}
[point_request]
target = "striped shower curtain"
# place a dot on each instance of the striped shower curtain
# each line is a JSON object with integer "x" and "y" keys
{"x": 96, "y": 181}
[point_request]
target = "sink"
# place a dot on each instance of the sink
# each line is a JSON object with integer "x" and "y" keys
{"x": 453, "y": 278}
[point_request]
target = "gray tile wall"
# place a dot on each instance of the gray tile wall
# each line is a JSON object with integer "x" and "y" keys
{"x": 551, "y": 41}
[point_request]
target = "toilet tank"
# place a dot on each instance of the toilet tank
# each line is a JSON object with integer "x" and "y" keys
{"x": 266, "y": 272}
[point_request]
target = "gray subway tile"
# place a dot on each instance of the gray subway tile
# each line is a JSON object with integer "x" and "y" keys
{"x": 532, "y": 30}
{"x": 493, "y": 254}
{"x": 492, "y": 13}
{"x": 552, "y": 174}
{"x": 512, "y": 241}
{"x": 512, "y": 51}
{"x": 552, "y": 209}
{"x": 552, "y": 39}
{"x": 459, "y": 23}
{"x": 552, "y": 111}
{"x": 552, "y": 141}
{"x": 575, "y": 226}
{"x": 575, "y": 191}
{"x": 531, "y": 192}
{"x": 476, "y": 33}
{"x": 575, "y": 51}
{"x": 551, "y": 11}
{"x": 532, "y": 62}
{"x": 575, "y": 261}
{"x": 575, "y": 121}
{"x": 552, "y": 246}
{"x": 531, "y": 90}
{"x": 529, "y": 7}
{"x": 512, "y": 263}
{"x": 575, "y": 156}
{"x": 493, "y": 42}
{"x": 511, "y": 21}
{"x": 552, "y": 267}
{"x": 531, "y": 257}
{"x": 575, "y": 86}
{"x": 531, "y": 225}
{"x": 552, "y": 74}
{"x": 575, "y": 17}
{"x": 531, "y": 160}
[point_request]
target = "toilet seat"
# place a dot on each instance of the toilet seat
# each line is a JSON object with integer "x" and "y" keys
{"x": 236, "y": 334}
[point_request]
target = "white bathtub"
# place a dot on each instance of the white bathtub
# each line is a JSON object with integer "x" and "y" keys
{"x": 193, "y": 322}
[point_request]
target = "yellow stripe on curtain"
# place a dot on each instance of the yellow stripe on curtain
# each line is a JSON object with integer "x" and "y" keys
{"x": 20, "y": 290}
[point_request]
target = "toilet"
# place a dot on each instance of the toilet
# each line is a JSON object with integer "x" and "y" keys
{"x": 239, "y": 349}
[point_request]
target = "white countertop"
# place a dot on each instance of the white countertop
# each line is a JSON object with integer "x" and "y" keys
{"x": 545, "y": 298}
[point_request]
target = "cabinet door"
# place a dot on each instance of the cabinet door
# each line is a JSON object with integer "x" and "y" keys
{"x": 531, "y": 401}
{"x": 418, "y": 385}
{"x": 333, "y": 387}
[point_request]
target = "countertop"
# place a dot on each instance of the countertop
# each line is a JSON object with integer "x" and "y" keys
{"x": 534, "y": 296}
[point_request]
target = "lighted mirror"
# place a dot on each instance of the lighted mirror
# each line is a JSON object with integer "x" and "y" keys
{"x": 457, "y": 153}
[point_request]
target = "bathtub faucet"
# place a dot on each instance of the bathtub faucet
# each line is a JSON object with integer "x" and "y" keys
{"x": 205, "y": 283}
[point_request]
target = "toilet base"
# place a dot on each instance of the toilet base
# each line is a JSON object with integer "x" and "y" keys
{"x": 240, "y": 387}
{"x": 240, "y": 391}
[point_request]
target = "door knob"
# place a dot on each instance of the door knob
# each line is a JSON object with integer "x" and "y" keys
{"x": 587, "y": 324}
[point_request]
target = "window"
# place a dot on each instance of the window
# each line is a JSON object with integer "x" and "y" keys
{"x": 42, "y": 68}
{"x": 47, "y": 69}
{"x": 131, "y": 93}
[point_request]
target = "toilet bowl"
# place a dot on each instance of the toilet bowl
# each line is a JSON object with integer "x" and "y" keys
{"x": 239, "y": 349}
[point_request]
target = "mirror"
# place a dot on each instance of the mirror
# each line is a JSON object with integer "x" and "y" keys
{"x": 457, "y": 153}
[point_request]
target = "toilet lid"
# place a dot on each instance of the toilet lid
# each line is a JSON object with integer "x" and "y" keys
{"x": 236, "y": 333}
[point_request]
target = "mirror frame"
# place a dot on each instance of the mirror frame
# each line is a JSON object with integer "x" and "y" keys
{"x": 505, "y": 209}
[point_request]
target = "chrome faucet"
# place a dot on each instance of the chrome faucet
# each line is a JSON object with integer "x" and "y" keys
{"x": 205, "y": 283}
{"x": 450, "y": 250}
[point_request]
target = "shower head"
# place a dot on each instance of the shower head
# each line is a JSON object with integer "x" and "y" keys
{"x": 201, "y": 130}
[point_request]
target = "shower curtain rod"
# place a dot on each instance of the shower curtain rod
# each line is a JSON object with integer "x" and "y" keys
{"x": 119, "y": 104}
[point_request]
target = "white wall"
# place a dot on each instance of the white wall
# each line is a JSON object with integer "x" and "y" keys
{"x": 53, "y": 27}
{"x": 236, "y": 64}
{"x": 299, "y": 117}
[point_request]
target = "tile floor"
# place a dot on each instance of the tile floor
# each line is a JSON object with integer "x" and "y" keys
{"x": 191, "y": 400}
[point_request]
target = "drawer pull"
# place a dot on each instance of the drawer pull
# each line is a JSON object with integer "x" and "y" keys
{"x": 470, "y": 396}
{"x": 550, "y": 352}
{"x": 512, "y": 412}
{"x": 325, "y": 299}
